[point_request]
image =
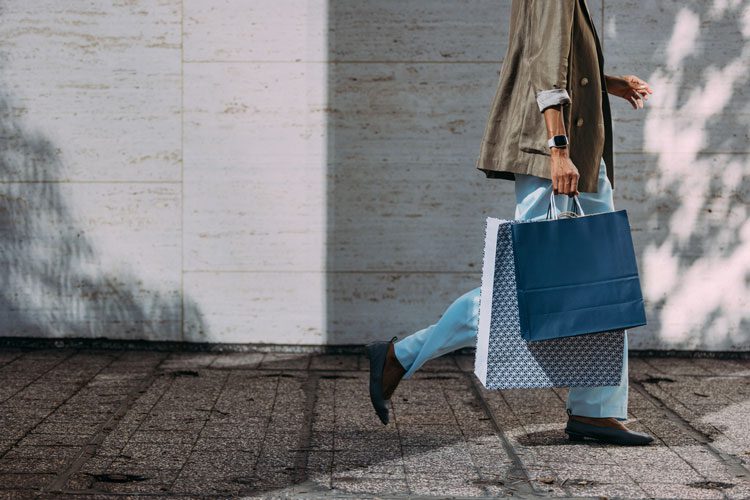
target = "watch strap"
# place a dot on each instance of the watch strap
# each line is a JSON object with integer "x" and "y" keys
{"x": 558, "y": 141}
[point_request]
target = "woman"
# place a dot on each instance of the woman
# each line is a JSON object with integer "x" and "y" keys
{"x": 554, "y": 63}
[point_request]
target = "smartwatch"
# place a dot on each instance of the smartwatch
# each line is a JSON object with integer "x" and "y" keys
{"x": 558, "y": 141}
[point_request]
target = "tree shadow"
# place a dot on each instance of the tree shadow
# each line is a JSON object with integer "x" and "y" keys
{"x": 54, "y": 283}
{"x": 684, "y": 168}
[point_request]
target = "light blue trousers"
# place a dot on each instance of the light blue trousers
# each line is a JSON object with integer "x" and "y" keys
{"x": 457, "y": 327}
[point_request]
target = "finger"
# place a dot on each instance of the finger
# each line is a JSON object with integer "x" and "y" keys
{"x": 571, "y": 184}
{"x": 637, "y": 99}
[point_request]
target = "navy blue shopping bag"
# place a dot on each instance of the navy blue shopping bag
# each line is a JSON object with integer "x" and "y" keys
{"x": 576, "y": 275}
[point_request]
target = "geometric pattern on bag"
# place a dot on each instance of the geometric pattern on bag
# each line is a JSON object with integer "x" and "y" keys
{"x": 591, "y": 360}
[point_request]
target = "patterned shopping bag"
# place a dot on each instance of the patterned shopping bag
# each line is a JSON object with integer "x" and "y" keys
{"x": 504, "y": 360}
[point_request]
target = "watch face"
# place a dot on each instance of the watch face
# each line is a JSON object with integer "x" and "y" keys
{"x": 560, "y": 140}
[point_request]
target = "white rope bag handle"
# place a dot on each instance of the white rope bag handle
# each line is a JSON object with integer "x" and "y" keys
{"x": 556, "y": 214}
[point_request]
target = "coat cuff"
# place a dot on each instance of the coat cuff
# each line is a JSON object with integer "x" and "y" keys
{"x": 552, "y": 97}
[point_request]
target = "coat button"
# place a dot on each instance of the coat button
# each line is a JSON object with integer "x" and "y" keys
{"x": 579, "y": 122}
{"x": 584, "y": 81}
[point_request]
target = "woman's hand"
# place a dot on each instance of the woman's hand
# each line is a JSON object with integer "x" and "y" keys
{"x": 629, "y": 87}
{"x": 564, "y": 173}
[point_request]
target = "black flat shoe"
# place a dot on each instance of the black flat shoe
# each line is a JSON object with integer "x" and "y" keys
{"x": 376, "y": 352}
{"x": 578, "y": 431}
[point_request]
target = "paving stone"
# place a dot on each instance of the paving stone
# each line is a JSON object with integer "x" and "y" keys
{"x": 387, "y": 470}
{"x": 370, "y": 486}
{"x": 135, "y": 482}
{"x": 677, "y": 366}
{"x": 240, "y": 484}
{"x": 594, "y": 473}
{"x": 544, "y": 479}
{"x": 46, "y": 452}
{"x": 80, "y": 481}
{"x": 189, "y": 423}
{"x": 441, "y": 485}
{"x": 382, "y": 433}
{"x": 594, "y": 489}
{"x": 285, "y": 361}
{"x": 447, "y": 460}
{"x": 679, "y": 491}
{"x": 710, "y": 466}
{"x": 349, "y": 458}
{"x": 423, "y": 417}
{"x": 242, "y": 444}
{"x": 378, "y": 447}
{"x": 490, "y": 456}
{"x": 42, "y": 465}
{"x": 97, "y": 464}
{"x": 654, "y": 464}
{"x": 152, "y": 456}
{"x": 724, "y": 367}
{"x": 415, "y": 434}
{"x": 441, "y": 365}
{"x": 38, "y": 439}
{"x": 669, "y": 430}
{"x": 187, "y": 361}
{"x": 734, "y": 489}
{"x": 581, "y": 454}
{"x": 163, "y": 437}
{"x": 25, "y": 481}
{"x": 230, "y": 485}
{"x": 269, "y": 478}
{"x": 238, "y": 360}
{"x": 67, "y": 427}
{"x": 320, "y": 462}
{"x": 216, "y": 464}
{"x": 333, "y": 362}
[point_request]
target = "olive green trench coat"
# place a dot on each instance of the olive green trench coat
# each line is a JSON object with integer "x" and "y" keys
{"x": 552, "y": 45}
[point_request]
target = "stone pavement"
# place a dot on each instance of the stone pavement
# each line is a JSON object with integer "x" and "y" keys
{"x": 178, "y": 424}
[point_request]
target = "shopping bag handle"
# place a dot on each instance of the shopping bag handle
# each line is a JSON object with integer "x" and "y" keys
{"x": 556, "y": 214}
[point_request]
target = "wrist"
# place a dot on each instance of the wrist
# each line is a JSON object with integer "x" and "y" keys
{"x": 559, "y": 152}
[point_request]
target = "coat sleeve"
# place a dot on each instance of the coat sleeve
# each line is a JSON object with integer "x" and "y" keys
{"x": 548, "y": 38}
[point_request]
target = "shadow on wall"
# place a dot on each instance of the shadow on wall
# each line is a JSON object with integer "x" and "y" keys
{"x": 409, "y": 85}
{"x": 695, "y": 260}
{"x": 52, "y": 283}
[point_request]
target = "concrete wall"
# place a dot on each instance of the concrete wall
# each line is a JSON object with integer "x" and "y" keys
{"x": 295, "y": 171}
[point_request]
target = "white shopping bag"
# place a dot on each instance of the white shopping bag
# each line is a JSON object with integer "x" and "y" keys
{"x": 504, "y": 360}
